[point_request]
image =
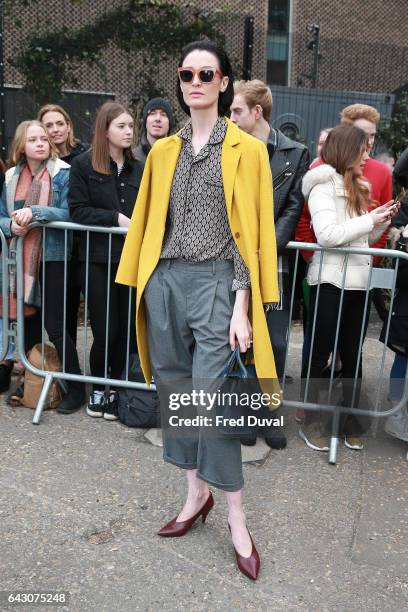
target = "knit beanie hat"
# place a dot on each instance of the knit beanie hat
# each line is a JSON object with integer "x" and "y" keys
{"x": 163, "y": 105}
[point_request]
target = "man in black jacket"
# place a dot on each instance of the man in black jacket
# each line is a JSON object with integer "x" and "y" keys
{"x": 289, "y": 160}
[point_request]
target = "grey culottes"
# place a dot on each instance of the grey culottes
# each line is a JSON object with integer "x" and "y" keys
{"x": 189, "y": 307}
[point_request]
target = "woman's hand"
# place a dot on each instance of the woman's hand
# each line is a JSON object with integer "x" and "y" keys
{"x": 384, "y": 213}
{"x": 17, "y": 230}
{"x": 240, "y": 327}
{"x": 123, "y": 221}
{"x": 22, "y": 217}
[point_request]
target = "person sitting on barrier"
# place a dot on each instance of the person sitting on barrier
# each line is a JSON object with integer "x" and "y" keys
{"x": 104, "y": 183}
{"x": 61, "y": 132}
{"x": 339, "y": 200}
{"x": 35, "y": 190}
{"x": 157, "y": 122}
{"x": 200, "y": 249}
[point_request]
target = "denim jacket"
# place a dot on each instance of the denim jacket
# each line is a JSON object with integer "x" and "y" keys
{"x": 54, "y": 248}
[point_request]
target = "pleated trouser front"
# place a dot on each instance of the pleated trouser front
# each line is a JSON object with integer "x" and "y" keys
{"x": 189, "y": 307}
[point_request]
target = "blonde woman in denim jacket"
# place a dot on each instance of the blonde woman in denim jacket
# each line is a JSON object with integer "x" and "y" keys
{"x": 35, "y": 190}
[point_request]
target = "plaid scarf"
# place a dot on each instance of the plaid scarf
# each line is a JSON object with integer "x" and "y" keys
{"x": 24, "y": 190}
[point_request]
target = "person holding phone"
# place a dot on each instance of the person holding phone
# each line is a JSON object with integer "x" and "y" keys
{"x": 339, "y": 202}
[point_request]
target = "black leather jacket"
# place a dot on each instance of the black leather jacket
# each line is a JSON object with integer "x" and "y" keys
{"x": 289, "y": 161}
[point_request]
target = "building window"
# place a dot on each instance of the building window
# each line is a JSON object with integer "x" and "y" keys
{"x": 277, "y": 52}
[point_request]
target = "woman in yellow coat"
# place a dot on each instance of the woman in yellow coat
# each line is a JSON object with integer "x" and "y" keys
{"x": 201, "y": 253}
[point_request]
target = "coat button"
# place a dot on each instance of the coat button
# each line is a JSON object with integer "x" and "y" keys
{"x": 122, "y": 184}
{"x": 237, "y": 235}
{"x": 122, "y": 200}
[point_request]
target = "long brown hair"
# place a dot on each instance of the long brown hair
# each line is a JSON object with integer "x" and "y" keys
{"x": 55, "y": 108}
{"x": 100, "y": 145}
{"x": 17, "y": 147}
{"x": 344, "y": 145}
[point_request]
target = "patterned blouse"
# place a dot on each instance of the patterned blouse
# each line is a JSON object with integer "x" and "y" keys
{"x": 197, "y": 226}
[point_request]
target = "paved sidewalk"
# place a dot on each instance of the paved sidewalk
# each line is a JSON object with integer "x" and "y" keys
{"x": 83, "y": 498}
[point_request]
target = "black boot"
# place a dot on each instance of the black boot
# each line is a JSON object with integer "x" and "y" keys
{"x": 74, "y": 398}
{"x": 274, "y": 437}
{"x": 5, "y": 375}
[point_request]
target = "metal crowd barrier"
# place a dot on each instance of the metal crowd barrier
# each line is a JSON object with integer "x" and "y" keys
{"x": 5, "y": 262}
{"x": 63, "y": 375}
{"x": 377, "y": 278}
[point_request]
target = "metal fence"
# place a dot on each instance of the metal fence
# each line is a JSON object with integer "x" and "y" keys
{"x": 294, "y": 396}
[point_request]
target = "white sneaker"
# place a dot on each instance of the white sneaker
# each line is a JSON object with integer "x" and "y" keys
{"x": 110, "y": 409}
{"x": 353, "y": 442}
{"x": 96, "y": 404}
{"x": 311, "y": 434}
{"x": 397, "y": 426}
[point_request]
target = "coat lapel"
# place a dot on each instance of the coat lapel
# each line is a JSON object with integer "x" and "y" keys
{"x": 229, "y": 162}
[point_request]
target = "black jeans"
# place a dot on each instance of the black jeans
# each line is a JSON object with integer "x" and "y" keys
{"x": 118, "y": 320}
{"x": 73, "y": 289}
{"x": 278, "y": 325}
{"x": 53, "y": 304}
{"x": 351, "y": 323}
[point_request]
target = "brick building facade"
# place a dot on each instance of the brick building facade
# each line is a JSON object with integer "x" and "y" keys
{"x": 363, "y": 44}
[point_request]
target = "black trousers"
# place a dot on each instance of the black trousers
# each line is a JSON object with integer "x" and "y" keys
{"x": 351, "y": 322}
{"x": 73, "y": 289}
{"x": 117, "y": 317}
{"x": 53, "y": 304}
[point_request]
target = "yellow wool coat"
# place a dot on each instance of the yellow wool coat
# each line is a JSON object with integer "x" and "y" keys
{"x": 248, "y": 193}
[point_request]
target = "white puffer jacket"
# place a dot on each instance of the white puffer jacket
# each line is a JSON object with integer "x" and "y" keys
{"x": 323, "y": 188}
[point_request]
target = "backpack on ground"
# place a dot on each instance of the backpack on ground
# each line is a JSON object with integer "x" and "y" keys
{"x": 137, "y": 407}
{"x": 33, "y": 384}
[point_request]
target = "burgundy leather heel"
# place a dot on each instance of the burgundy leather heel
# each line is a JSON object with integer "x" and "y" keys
{"x": 175, "y": 529}
{"x": 248, "y": 565}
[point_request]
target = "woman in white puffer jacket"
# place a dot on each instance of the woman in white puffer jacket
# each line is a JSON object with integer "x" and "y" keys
{"x": 339, "y": 200}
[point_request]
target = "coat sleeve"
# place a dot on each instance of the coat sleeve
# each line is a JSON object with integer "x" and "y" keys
{"x": 129, "y": 261}
{"x": 5, "y": 221}
{"x": 304, "y": 231}
{"x": 60, "y": 212}
{"x": 285, "y": 224}
{"x": 268, "y": 261}
{"x": 386, "y": 195}
{"x": 376, "y": 233}
{"x": 329, "y": 232}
